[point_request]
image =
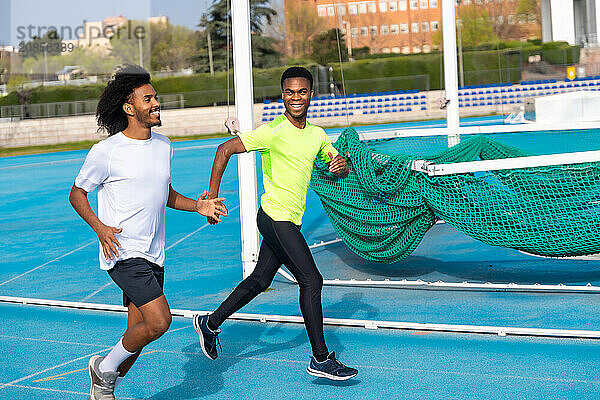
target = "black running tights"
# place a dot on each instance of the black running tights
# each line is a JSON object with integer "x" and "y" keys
{"x": 282, "y": 243}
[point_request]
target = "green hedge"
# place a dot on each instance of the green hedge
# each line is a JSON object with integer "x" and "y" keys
{"x": 382, "y": 74}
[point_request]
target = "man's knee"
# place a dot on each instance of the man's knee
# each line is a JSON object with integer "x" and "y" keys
{"x": 313, "y": 282}
{"x": 158, "y": 326}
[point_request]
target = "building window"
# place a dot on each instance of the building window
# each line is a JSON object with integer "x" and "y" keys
{"x": 414, "y": 27}
{"x": 416, "y": 49}
{"x": 511, "y": 19}
{"x": 500, "y": 19}
{"x": 354, "y": 32}
{"x": 522, "y": 19}
{"x": 404, "y": 28}
{"x": 434, "y": 26}
{"x": 330, "y": 11}
{"x": 396, "y": 50}
{"x": 362, "y": 8}
{"x": 394, "y": 29}
{"x": 373, "y": 8}
{"x": 424, "y": 4}
{"x": 373, "y": 30}
{"x": 466, "y": 2}
{"x": 386, "y": 50}
{"x": 406, "y": 50}
{"x": 433, "y": 3}
{"x": 364, "y": 31}
{"x": 341, "y": 10}
{"x": 352, "y": 9}
{"x": 531, "y": 18}
{"x": 383, "y": 6}
{"x": 385, "y": 29}
{"x": 402, "y": 5}
{"x": 322, "y": 11}
{"x": 414, "y": 4}
{"x": 425, "y": 26}
{"x": 393, "y": 6}
{"x": 426, "y": 48}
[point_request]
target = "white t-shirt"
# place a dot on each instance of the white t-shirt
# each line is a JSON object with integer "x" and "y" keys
{"x": 133, "y": 178}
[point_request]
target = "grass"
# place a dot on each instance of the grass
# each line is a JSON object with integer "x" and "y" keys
{"x": 83, "y": 145}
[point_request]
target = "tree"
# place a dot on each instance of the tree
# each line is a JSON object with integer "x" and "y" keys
{"x": 476, "y": 28}
{"x": 264, "y": 53}
{"x": 302, "y": 25}
{"x": 531, "y": 10}
{"x": 325, "y": 47}
{"x": 126, "y": 43}
{"x": 50, "y": 44}
{"x": 172, "y": 47}
{"x": 217, "y": 23}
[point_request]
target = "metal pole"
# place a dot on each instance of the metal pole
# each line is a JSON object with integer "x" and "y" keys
{"x": 349, "y": 40}
{"x": 45, "y": 66}
{"x": 244, "y": 103}
{"x": 210, "y": 56}
{"x": 141, "y": 53}
{"x": 461, "y": 73}
{"x": 450, "y": 70}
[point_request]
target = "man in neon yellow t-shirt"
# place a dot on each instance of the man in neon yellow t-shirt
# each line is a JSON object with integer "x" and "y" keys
{"x": 288, "y": 146}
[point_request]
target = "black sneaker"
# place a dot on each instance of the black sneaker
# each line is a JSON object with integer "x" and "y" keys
{"x": 330, "y": 369}
{"x": 209, "y": 339}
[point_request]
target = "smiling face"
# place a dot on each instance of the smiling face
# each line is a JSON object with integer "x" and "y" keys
{"x": 296, "y": 96}
{"x": 145, "y": 107}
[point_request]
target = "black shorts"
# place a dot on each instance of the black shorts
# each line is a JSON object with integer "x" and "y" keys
{"x": 141, "y": 280}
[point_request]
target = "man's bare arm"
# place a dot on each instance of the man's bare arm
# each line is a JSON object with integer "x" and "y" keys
{"x": 224, "y": 153}
{"x": 209, "y": 208}
{"x": 106, "y": 234}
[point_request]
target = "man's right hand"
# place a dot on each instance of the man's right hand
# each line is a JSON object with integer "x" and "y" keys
{"x": 233, "y": 125}
{"x": 211, "y": 220}
{"x": 108, "y": 240}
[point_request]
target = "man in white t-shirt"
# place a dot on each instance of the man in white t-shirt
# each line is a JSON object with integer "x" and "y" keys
{"x": 132, "y": 171}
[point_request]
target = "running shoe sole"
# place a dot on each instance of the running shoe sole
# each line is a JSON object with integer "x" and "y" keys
{"x": 320, "y": 374}
{"x": 90, "y": 366}
{"x": 201, "y": 337}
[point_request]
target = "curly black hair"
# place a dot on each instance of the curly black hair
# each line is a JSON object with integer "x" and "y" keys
{"x": 109, "y": 114}
{"x": 296, "y": 72}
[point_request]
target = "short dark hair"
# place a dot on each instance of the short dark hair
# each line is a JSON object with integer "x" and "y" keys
{"x": 297, "y": 72}
{"x": 109, "y": 114}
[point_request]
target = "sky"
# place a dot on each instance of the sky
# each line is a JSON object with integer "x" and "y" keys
{"x": 15, "y": 14}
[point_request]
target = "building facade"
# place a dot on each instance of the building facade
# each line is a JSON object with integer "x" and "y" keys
{"x": 411, "y": 26}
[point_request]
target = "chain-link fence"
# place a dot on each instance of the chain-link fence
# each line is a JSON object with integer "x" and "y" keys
{"x": 73, "y": 108}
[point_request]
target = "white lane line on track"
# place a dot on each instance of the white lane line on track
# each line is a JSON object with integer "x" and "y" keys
{"x": 194, "y": 232}
{"x": 397, "y": 369}
{"x": 48, "y": 262}
{"x": 63, "y": 391}
{"x": 43, "y": 163}
{"x": 206, "y": 146}
{"x": 72, "y": 160}
{"x": 51, "y": 341}
{"x": 54, "y": 367}
{"x": 95, "y": 292}
{"x": 101, "y": 288}
{"x": 77, "y": 343}
{"x": 380, "y": 367}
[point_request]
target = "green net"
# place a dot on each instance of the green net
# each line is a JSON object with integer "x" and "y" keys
{"x": 383, "y": 209}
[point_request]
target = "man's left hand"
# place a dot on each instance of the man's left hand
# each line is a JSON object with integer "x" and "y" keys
{"x": 338, "y": 165}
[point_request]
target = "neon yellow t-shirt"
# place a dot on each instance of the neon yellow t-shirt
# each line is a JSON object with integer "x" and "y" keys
{"x": 288, "y": 154}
